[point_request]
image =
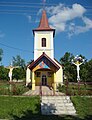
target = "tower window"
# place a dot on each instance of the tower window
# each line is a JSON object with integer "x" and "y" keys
{"x": 43, "y": 42}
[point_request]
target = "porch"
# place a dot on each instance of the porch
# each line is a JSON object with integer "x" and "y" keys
{"x": 45, "y": 78}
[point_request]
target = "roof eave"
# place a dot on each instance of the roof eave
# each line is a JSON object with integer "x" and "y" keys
{"x": 32, "y": 64}
{"x": 44, "y": 30}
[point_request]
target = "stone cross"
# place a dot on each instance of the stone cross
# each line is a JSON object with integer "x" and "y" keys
{"x": 77, "y": 63}
{"x": 11, "y": 67}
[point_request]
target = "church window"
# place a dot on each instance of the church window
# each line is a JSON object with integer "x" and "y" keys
{"x": 43, "y": 42}
{"x": 38, "y": 74}
{"x": 49, "y": 74}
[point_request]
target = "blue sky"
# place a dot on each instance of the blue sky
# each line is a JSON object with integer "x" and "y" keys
{"x": 72, "y": 20}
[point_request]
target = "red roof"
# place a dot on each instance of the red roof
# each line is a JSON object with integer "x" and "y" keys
{"x": 44, "y": 25}
{"x": 32, "y": 65}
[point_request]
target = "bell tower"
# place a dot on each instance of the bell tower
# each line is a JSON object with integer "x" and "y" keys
{"x": 43, "y": 38}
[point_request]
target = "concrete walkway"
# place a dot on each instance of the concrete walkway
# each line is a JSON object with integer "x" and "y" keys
{"x": 53, "y": 103}
{"x": 57, "y": 105}
{"x": 45, "y": 91}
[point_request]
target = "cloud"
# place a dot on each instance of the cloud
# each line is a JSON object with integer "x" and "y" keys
{"x": 63, "y": 19}
{"x": 63, "y": 14}
{"x": 74, "y": 29}
{"x": 1, "y": 34}
{"x": 60, "y": 15}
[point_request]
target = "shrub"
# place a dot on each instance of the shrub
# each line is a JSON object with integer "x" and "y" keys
{"x": 13, "y": 89}
{"x": 61, "y": 88}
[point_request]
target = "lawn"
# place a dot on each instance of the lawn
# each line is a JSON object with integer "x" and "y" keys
{"x": 83, "y": 106}
{"x": 28, "y": 108}
{"x": 18, "y": 106}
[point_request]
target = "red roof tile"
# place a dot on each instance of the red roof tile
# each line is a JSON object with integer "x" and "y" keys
{"x": 44, "y": 25}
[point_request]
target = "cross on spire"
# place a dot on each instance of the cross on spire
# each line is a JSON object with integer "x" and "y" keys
{"x": 44, "y": 1}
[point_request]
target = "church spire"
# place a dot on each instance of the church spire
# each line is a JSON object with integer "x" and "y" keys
{"x": 44, "y": 25}
{"x": 44, "y": 22}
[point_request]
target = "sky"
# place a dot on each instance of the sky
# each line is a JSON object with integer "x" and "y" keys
{"x": 72, "y": 20}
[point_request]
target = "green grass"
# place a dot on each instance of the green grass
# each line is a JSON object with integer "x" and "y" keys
{"x": 83, "y": 106}
{"x": 17, "y": 106}
{"x": 28, "y": 108}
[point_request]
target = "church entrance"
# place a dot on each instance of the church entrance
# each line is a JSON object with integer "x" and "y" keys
{"x": 44, "y": 80}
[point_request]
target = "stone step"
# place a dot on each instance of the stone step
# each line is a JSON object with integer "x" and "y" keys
{"x": 62, "y": 100}
{"x": 62, "y": 97}
{"x": 57, "y": 105}
{"x": 72, "y": 112}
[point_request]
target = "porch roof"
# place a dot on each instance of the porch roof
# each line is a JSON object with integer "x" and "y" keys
{"x": 36, "y": 62}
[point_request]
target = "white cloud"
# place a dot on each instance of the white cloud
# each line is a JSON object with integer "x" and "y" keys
{"x": 60, "y": 15}
{"x": 54, "y": 9}
{"x": 59, "y": 27}
{"x": 63, "y": 14}
{"x": 63, "y": 18}
{"x": 74, "y": 29}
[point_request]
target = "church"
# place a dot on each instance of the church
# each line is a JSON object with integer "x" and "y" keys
{"x": 44, "y": 70}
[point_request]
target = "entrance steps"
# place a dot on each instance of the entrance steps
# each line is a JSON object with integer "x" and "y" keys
{"x": 57, "y": 105}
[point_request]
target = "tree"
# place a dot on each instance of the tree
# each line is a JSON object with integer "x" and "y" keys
{"x": 70, "y": 69}
{"x": 88, "y": 68}
{"x": 18, "y": 61}
{"x": 19, "y": 73}
{"x": 3, "y": 73}
{"x": 1, "y": 53}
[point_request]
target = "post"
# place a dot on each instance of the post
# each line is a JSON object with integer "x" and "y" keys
{"x": 79, "y": 87}
{"x": 54, "y": 84}
{"x": 28, "y": 80}
{"x": 66, "y": 87}
{"x": 33, "y": 81}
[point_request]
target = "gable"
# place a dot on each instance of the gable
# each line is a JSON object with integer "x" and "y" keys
{"x": 44, "y": 62}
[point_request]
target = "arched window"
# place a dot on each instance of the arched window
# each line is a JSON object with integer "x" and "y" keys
{"x": 43, "y": 42}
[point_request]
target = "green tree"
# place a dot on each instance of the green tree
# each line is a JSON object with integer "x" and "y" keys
{"x": 19, "y": 73}
{"x": 1, "y": 54}
{"x": 18, "y": 61}
{"x": 3, "y": 73}
{"x": 70, "y": 69}
{"x": 88, "y": 68}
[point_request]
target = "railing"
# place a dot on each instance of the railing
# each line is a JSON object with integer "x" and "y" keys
{"x": 12, "y": 88}
{"x": 79, "y": 88}
{"x": 68, "y": 88}
{"x": 40, "y": 91}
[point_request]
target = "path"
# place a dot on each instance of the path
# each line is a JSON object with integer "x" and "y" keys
{"x": 45, "y": 91}
{"x": 53, "y": 103}
{"x": 57, "y": 105}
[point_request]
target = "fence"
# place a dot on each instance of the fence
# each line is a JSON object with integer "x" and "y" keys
{"x": 79, "y": 88}
{"x": 12, "y": 88}
{"x": 69, "y": 88}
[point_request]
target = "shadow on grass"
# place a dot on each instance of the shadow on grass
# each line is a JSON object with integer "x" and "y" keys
{"x": 36, "y": 115}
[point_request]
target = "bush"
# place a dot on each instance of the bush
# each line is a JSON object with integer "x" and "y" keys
{"x": 13, "y": 89}
{"x": 61, "y": 88}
